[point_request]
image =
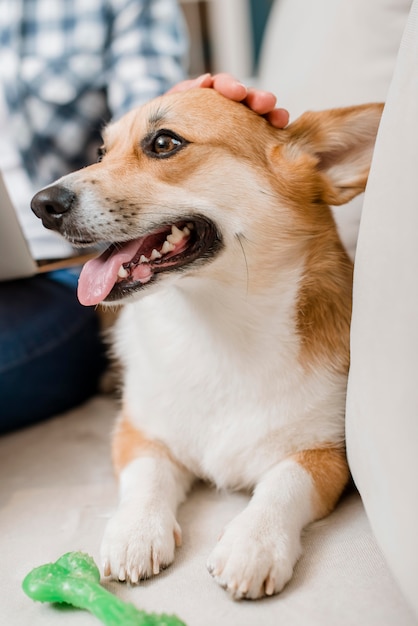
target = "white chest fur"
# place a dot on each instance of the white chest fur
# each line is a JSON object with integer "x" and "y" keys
{"x": 219, "y": 382}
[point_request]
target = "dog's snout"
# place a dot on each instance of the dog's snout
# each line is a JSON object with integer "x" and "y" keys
{"x": 51, "y": 203}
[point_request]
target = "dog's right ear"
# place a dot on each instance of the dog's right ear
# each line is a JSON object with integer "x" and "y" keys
{"x": 338, "y": 144}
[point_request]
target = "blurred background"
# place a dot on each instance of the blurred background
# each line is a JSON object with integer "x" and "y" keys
{"x": 226, "y": 35}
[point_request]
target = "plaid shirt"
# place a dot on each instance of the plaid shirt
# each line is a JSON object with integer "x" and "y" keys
{"x": 68, "y": 66}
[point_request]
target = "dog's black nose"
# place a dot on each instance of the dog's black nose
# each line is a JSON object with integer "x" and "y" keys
{"x": 51, "y": 203}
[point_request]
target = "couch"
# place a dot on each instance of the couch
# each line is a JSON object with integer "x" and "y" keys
{"x": 359, "y": 566}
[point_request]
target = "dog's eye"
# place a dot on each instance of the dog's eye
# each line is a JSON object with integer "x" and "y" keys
{"x": 164, "y": 144}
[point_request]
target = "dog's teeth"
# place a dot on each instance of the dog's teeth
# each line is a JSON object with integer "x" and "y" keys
{"x": 143, "y": 259}
{"x": 176, "y": 235}
{"x": 190, "y": 225}
{"x": 155, "y": 255}
{"x": 186, "y": 231}
{"x": 167, "y": 247}
{"x": 122, "y": 273}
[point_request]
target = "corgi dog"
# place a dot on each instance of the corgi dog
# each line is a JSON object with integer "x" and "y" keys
{"x": 234, "y": 331}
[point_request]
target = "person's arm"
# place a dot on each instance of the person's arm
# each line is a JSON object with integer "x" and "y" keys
{"x": 146, "y": 53}
{"x": 262, "y": 102}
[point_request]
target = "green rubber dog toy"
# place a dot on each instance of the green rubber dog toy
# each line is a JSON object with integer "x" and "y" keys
{"x": 75, "y": 579}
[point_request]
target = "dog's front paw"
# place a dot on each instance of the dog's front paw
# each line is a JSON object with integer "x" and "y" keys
{"x": 252, "y": 559}
{"x": 138, "y": 544}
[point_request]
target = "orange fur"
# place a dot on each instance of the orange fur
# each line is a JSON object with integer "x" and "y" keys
{"x": 324, "y": 310}
{"x": 329, "y": 470}
{"x": 129, "y": 443}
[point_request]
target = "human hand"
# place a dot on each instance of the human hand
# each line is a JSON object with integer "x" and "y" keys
{"x": 262, "y": 102}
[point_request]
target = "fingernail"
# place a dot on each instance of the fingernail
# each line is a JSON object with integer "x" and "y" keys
{"x": 201, "y": 79}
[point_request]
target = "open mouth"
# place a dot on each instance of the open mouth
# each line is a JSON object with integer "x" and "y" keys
{"x": 126, "y": 267}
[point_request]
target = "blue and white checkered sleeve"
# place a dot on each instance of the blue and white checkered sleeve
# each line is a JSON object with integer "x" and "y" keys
{"x": 147, "y": 52}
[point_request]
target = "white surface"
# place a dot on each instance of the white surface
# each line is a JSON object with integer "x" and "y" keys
{"x": 57, "y": 490}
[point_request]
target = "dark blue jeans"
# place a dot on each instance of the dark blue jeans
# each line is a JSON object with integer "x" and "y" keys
{"x": 51, "y": 354}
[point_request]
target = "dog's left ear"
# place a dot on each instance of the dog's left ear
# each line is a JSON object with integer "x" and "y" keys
{"x": 340, "y": 143}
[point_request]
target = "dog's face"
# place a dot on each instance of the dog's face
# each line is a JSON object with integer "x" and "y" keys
{"x": 193, "y": 178}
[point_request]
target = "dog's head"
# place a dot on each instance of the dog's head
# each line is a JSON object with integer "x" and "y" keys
{"x": 192, "y": 177}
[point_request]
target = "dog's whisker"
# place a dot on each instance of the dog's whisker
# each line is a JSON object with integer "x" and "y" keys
{"x": 239, "y": 238}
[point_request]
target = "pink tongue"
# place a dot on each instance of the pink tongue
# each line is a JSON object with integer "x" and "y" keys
{"x": 99, "y": 275}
